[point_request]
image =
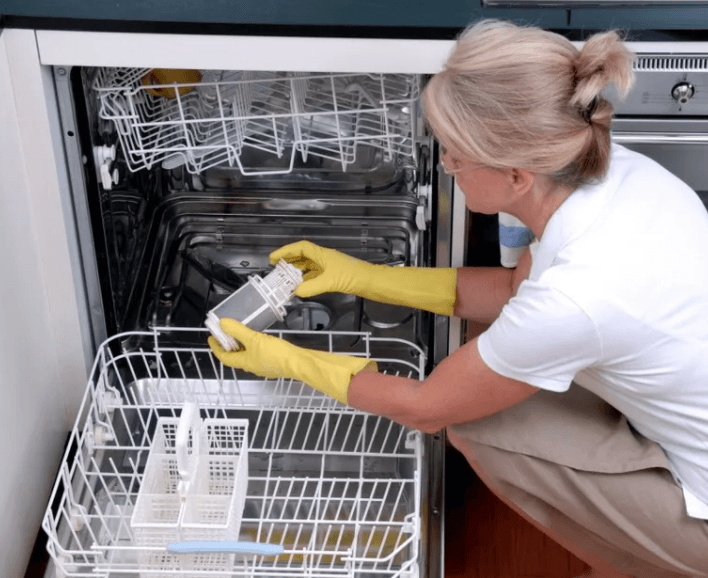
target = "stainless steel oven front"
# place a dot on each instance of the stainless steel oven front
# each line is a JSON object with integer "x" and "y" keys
{"x": 665, "y": 116}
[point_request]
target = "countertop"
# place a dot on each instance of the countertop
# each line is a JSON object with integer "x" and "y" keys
{"x": 369, "y": 18}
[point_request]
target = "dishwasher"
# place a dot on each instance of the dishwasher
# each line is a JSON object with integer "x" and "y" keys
{"x": 183, "y": 182}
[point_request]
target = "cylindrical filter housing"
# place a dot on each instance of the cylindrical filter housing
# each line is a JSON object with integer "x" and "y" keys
{"x": 258, "y": 304}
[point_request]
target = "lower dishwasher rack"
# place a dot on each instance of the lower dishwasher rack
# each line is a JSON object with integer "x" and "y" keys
{"x": 339, "y": 490}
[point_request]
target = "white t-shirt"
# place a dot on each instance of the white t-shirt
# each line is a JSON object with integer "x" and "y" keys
{"x": 617, "y": 300}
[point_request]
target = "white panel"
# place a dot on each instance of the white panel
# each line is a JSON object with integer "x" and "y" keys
{"x": 242, "y": 52}
{"x": 457, "y": 256}
{"x": 42, "y": 368}
{"x": 47, "y": 191}
{"x": 67, "y": 48}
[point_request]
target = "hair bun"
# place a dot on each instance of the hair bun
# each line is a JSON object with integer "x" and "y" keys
{"x": 603, "y": 60}
{"x": 503, "y": 100}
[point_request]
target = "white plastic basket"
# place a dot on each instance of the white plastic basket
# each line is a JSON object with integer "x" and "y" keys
{"x": 193, "y": 489}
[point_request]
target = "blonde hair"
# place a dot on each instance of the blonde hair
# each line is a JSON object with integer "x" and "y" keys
{"x": 521, "y": 97}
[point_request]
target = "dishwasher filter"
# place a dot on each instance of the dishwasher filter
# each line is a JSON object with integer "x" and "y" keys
{"x": 257, "y": 304}
{"x": 337, "y": 489}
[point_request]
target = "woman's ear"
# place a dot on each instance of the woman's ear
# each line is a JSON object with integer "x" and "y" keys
{"x": 521, "y": 180}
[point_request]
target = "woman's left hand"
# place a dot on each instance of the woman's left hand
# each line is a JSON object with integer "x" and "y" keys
{"x": 269, "y": 356}
{"x": 261, "y": 354}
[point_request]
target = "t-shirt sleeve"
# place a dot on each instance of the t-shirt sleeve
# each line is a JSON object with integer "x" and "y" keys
{"x": 542, "y": 337}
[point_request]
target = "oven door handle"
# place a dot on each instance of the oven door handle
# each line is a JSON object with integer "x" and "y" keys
{"x": 659, "y": 138}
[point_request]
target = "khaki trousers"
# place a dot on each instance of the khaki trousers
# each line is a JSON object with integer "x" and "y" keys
{"x": 574, "y": 464}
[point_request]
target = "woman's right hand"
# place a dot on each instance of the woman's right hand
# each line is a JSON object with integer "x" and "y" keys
{"x": 324, "y": 270}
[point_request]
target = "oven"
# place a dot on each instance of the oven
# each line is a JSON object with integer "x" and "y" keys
{"x": 665, "y": 115}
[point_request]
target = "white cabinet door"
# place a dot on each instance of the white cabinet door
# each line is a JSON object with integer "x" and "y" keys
{"x": 42, "y": 364}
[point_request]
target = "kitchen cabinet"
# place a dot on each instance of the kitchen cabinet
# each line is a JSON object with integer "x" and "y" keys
{"x": 397, "y": 18}
{"x": 41, "y": 357}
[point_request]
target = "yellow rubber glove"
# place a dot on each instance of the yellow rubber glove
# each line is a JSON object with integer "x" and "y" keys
{"x": 326, "y": 270}
{"x": 269, "y": 356}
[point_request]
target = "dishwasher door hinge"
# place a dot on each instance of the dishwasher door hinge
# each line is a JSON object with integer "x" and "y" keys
{"x": 424, "y": 166}
{"x": 423, "y": 213}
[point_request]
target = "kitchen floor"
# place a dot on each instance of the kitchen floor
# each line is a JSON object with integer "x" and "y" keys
{"x": 486, "y": 539}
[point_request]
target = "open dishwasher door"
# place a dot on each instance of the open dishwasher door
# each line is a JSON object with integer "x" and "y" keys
{"x": 184, "y": 192}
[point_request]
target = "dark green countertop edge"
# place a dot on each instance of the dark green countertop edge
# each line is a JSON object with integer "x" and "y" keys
{"x": 574, "y": 32}
{"x": 442, "y": 19}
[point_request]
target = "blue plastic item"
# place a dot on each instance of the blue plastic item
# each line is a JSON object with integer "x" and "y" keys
{"x": 225, "y": 547}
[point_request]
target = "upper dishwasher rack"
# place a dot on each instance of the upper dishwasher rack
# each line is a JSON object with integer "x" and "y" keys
{"x": 258, "y": 121}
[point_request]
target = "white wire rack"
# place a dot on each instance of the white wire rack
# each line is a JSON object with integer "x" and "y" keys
{"x": 337, "y": 489}
{"x": 229, "y": 115}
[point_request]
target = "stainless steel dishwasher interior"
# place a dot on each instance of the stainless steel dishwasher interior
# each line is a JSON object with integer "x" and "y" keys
{"x": 203, "y": 247}
{"x": 178, "y": 242}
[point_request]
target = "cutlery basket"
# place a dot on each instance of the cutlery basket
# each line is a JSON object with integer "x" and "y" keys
{"x": 193, "y": 489}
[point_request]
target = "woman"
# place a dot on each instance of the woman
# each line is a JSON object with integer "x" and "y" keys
{"x": 584, "y": 406}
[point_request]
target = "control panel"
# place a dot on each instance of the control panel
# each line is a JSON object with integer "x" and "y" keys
{"x": 667, "y": 86}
